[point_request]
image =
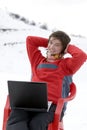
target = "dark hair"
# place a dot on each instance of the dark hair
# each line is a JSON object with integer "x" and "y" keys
{"x": 63, "y": 37}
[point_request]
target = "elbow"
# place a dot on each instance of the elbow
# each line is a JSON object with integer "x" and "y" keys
{"x": 28, "y": 38}
{"x": 83, "y": 56}
{"x": 30, "y": 41}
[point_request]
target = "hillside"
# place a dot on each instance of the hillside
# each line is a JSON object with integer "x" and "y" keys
{"x": 11, "y": 29}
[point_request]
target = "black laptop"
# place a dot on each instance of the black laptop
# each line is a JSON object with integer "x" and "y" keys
{"x": 31, "y": 96}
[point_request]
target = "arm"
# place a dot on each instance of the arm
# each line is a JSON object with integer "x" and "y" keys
{"x": 76, "y": 61}
{"x": 32, "y": 44}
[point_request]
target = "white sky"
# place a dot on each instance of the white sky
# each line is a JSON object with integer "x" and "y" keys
{"x": 67, "y": 15}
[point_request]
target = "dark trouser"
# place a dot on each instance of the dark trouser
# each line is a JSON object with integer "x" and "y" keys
{"x": 26, "y": 120}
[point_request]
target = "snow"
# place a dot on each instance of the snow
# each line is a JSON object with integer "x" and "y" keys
{"x": 15, "y": 65}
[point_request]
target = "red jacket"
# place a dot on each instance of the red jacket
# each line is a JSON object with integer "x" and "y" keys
{"x": 52, "y": 73}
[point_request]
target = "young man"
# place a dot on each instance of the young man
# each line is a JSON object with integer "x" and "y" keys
{"x": 52, "y": 70}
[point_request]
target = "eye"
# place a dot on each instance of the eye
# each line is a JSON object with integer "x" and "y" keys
{"x": 57, "y": 45}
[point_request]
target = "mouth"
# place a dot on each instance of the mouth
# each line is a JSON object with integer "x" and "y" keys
{"x": 54, "y": 54}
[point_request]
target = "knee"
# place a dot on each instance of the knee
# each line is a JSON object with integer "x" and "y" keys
{"x": 17, "y": 126}
{"x": 39, "y": 124}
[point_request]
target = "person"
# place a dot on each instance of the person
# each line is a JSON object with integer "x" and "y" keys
{"x": 50, "y": 69}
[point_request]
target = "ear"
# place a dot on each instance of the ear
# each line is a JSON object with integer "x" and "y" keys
{"x": 65, "y": 51}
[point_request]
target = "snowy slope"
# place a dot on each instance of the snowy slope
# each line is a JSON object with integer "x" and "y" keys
{"x": 6, "y": 21}
{"x": 17, "y": 28}
{"x": 14, "y": 64}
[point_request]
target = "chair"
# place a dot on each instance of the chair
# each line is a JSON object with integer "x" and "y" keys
{"x": 56, "y": 124}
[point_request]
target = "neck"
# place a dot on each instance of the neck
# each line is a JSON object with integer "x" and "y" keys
{"x": 53, "y": 60}
{"x": 55, "y": 57}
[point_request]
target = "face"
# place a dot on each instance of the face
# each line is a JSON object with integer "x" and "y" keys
{"x": 54, "y": 48}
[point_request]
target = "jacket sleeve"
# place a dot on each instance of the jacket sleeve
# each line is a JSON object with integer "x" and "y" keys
{"x": 73, "y": 64}
{"x": 33, "y": 43}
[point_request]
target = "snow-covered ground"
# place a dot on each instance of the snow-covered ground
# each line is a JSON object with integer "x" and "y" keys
{"x": 14, "y": 64}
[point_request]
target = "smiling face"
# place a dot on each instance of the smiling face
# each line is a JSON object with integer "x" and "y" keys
{"x": 54, "y": 49}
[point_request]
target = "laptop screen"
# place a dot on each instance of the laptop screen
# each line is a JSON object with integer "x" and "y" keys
{"x": 28, "y": 95}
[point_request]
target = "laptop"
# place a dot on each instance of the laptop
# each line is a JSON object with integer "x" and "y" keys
{"x": 31, "y": 96}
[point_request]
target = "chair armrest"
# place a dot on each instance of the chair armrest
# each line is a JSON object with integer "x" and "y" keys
{"x": 7, "y": 106}
{"x": 72, "y": 93}
{"x": 6, "y": 113}
{"x": 61, "y": 102}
